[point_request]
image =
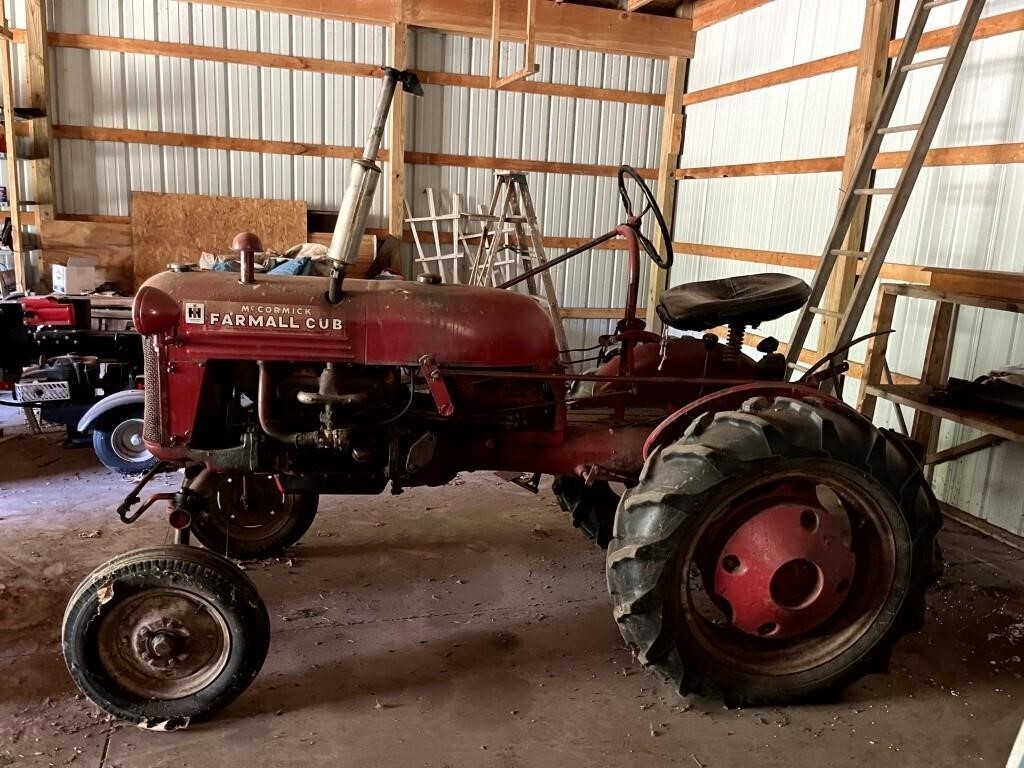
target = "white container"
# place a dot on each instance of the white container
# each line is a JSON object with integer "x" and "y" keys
{"x": 77, "y": 277}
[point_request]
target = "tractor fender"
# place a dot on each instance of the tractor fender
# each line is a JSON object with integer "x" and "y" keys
{"x": 126, "y": 397}
{"x": 729, "y": 399}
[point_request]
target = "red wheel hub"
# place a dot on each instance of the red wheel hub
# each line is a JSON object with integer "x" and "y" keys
{"x": 787, "y": 569}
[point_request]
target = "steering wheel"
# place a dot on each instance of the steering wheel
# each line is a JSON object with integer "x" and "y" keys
{"x": 634, "y": 220}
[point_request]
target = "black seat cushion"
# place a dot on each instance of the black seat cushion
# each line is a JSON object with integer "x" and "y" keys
{"x": 749, "y": 300}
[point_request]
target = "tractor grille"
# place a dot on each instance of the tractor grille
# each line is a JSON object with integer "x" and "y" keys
{"x": 42, "y": 391}
{"x": 152, "y": 430}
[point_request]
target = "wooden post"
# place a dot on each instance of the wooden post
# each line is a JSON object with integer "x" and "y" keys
{"x": 673, "y": 128}
{"x": 878, "y": 346}
{"x": 20, "y": 272}
{"x": 936, "y": 370}
{"x": 872, "y": 65}
{"x": 396, "y": 135}
{"x": 40, "y": 129}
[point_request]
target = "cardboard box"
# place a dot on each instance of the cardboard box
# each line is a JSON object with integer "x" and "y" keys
{"x": 77, "y": 277}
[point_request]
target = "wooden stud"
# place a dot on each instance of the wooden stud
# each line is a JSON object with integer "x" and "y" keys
{"x": 872, "y": 66}
{"x": 878, "y": 346}
{"x": 936, "y": 369}
{"x": 13, "y": 194}
{"x": 673, "y": 126}
{"x": 396, "y": 135}
{"x": 40, "y": 130}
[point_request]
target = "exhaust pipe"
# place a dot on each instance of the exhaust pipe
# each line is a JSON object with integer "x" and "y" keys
{"x": 362, "y": 183}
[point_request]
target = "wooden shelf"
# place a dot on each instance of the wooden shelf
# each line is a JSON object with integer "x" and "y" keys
{"x": 916, "y": 396}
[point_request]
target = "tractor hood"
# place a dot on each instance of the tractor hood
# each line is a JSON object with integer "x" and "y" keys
{"x": 378, "y": 322}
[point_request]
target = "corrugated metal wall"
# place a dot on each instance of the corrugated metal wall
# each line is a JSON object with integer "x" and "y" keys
{"x": 968, "y": 216}
{"x": 146, "y": 92}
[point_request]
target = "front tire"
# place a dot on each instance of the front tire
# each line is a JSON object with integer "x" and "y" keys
{"x": 248, "y": 518}
{"x": 119, "y": 445}
{"x": 165, "y": 636}
{"x": 773, "y": 554}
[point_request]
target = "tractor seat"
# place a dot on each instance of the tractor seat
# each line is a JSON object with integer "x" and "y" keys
{"x": 745, "y": 300}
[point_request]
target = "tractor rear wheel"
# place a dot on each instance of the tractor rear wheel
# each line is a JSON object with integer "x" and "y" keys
{"x": 248, "y": 518}
{"x": 773, "y": 554}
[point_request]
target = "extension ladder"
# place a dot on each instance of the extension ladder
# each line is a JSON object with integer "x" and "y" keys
{"x": 860, "y": 185}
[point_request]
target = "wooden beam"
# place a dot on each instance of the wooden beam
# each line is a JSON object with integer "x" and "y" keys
{"x": 396, "y": 135}
{"x": 768, "y": 168}
{"x": 708, "y": 12}
{"x": 673, "y": 126}
{"x": 168, "y": 139}
{"x": 872, "y": 68}
{"x": 991, "y": 26}
{"x": 13, "y": 193}
{"x": 982, "y": 154}
{"x": 37, "y": 55}
{"x": 563, "y": 25}
{"x": 345, "y": 68}
{"x": 904, "y": 272}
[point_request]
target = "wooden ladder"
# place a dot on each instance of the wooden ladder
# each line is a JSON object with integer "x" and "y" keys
{"x": 861, "y": 183}
{"x": 510, "y": 239}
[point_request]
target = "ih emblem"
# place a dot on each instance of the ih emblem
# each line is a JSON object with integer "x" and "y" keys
{"x": 195, "y": 313}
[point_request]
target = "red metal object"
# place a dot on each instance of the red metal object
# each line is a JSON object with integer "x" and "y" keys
{"x": 786, "y": 569}
{"x": 438, "y": 389}
{"x": 55, "y": 312}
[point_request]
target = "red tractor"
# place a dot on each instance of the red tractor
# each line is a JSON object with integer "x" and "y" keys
{"x": 771, "y": 545}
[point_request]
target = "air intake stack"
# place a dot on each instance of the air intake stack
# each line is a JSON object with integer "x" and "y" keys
{"x": 362, "y": 183}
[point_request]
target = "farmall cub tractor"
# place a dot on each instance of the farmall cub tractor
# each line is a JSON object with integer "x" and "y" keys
{"x": 771, "y": 545}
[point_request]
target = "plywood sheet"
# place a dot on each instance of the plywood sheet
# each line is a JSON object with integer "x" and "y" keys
{"x": 169, "y": 228}
{"x": 110, "y": 243}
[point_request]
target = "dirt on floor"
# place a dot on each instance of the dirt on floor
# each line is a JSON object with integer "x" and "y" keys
{"x": 467, "y": 626}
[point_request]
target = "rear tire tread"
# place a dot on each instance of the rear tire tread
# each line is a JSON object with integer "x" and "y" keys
{"x": 651, "y": 515}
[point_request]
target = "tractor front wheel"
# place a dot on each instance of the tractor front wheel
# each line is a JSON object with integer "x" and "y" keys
{"x": 773, "y": 554}
{"x": 247, "y": 517}
{"x": 165, "y": 636}
{"x": 119, "y": 445}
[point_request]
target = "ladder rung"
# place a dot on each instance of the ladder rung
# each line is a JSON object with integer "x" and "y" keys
{"x": 899, "y": 128}
{"x": 936, "y": 3}
{"x": 875, "y": 191}
{"x": 923, "y": 64}
{"x": 798, "y": 366}
{"x": 488, "y": 217}
{"x": 825, "y": 312}
{"x": 846, "y": 252}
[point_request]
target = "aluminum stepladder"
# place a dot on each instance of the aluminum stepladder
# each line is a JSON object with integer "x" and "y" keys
{"x": 861, "y": 181}
{"x": 511, "y": 238}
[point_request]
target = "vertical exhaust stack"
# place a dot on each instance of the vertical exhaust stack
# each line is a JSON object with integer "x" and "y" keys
{"x": 362, "y": 183}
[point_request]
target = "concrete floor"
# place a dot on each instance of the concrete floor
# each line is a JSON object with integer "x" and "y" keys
{"x": 462, "y": 626}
